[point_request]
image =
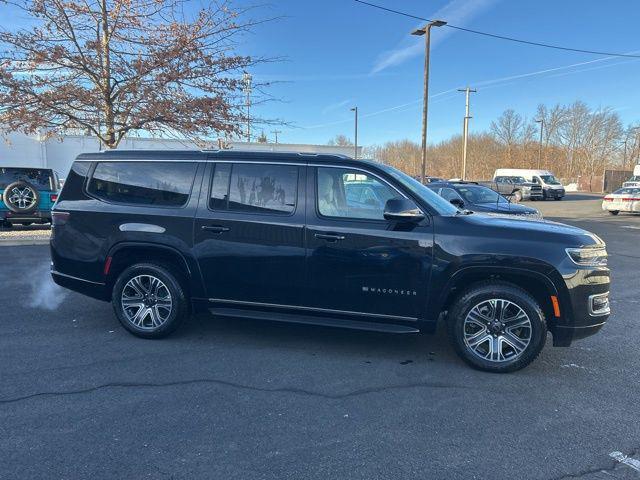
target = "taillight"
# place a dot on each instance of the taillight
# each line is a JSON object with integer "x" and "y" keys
{"x": 59, "y": 218}
{"x": 54, "y": 197}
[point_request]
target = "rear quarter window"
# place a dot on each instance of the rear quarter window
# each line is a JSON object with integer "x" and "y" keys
{"x": 165, "y": 184}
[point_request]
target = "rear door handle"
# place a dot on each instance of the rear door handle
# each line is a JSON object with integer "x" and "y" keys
{"x": 329, "y": 237}
{"x": 215, "y": 228}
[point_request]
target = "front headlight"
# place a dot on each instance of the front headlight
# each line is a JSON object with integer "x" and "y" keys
{"x": 593, "y": 256}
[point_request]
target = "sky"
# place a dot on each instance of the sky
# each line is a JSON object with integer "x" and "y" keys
{"x": 340, "y": 54}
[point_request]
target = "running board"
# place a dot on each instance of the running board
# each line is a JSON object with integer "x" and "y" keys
{"x": 313, "y": 320}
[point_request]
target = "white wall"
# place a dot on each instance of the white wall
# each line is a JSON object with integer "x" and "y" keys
{"x": 19, "y": 150}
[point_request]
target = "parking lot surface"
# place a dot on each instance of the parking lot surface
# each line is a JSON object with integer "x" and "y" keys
{"x": 240, "y": 399}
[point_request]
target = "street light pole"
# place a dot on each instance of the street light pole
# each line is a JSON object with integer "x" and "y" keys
{"x": 276, "y": 132}
{"x": 246, "y": 78}
{"x": 541, "y": 122}
{"x": 426, "y": 31}
{"x": 465, "y": 129}
{"x": 355, "y": 147}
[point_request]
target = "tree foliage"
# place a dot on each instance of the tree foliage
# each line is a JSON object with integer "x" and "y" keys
{"x": 111, "y": 67}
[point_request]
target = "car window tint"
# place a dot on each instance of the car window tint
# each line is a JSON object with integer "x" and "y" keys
{"x": 255, "y": 188}
{"x": 143, "y": 183}
{"x": 39, "y": 178}
{"x": 220, "y": 186}
{"x": 449, "y": 194}
{"x": 335, "y": 198}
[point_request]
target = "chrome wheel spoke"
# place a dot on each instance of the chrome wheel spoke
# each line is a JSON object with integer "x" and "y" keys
{"x": 497, "y": 330}
{"x": 146, "y": 302}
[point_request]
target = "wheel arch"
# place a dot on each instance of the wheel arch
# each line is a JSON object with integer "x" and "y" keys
{"x": 125, "y": 254}
{"x": 537, "y": 284}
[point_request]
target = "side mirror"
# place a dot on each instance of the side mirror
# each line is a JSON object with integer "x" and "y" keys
{"x": 457, "y": 202}
{"x": 402, "y": 210}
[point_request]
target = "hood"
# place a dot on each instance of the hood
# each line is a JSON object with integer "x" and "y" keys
{"x": 504, "y": 208}
{"x": 522, "y": 227}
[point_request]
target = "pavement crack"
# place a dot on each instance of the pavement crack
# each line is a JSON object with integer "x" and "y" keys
{"x": 290, "y": 390}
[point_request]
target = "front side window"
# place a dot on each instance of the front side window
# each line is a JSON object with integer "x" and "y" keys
{"x": 550, "y": 180}
{"x": 353, "y": 194}
{"x": 143, "y": 183}
{"x": 254, "y": 188}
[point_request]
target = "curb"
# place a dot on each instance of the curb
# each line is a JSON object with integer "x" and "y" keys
{"x": 24, "y": 242}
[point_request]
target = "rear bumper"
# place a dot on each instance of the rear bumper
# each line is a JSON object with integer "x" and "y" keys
{"x": 80, "y": 285}
{"x": 38, "y": 216}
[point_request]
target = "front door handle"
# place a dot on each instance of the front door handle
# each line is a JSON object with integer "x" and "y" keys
{"x": 329, "y": 237}
{"x": 215, "y": 228}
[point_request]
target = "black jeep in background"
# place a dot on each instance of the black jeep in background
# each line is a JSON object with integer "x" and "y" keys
{"x": 319, "y": 239}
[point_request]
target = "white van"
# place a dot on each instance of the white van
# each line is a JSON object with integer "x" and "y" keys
{"x": 551, "y": 186}
{"x": 635, "y": 180}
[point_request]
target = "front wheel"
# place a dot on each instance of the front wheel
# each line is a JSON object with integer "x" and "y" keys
{"x": 497, "y": 327}
{"x": 614, "y": 212}
{"x": 558, "y": 198}
{"x": 149, "y": 300}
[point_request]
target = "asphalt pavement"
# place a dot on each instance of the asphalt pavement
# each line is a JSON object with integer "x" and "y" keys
{"x": 241, "y": 399}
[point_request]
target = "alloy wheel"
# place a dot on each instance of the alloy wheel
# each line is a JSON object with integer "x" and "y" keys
{"x": 146, "y": 302}
{"x": 22, "y": 197}
{"x": 497, "y": 330}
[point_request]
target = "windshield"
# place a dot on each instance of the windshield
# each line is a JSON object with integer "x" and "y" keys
{"x": 550, "y": 180}
{"x": 39, "y": 178}
{"x": 434, "y": 200}
{"x": 480, "y": 194}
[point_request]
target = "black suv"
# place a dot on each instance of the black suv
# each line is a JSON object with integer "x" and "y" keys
{"x": 319, "y": 239}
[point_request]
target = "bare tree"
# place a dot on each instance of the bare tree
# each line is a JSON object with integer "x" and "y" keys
{"x": 508, "y": 129}
{"x": 341, "y": 141}
{"x": 111, "y": 67}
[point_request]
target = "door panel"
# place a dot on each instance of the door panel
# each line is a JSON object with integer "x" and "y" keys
{"x": 250, "y": 248}
{"x": 366, "y": 265}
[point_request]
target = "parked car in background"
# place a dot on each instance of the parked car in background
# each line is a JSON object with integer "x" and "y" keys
{"x": 515, "y": 187}
{"x": 622, "y": 200}
{"x": 27, "y": 195}
{"x": 634, "y": 181}
{"x": 551, "y": 186}
{"x": 479, "y": 198}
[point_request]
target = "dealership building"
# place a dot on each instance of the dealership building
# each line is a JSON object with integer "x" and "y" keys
{"x": 20, "y": 150}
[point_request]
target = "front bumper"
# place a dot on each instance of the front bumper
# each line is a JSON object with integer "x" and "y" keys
{"x": 584, "y": 305}
{"x": 554, "y": 192}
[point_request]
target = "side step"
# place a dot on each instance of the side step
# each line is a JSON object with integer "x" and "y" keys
{"x": 313, "y": 320}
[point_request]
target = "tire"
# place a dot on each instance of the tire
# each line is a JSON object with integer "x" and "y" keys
{"x": 141, "y": 318}
{"x": 558, "y": 198}
{"x": 614, "y": 212}
{"x": 470, "y": 327}
{"x": 517, "y": 197}
{"x": 21, "y": 197}
{"x": 7, "y": 224}
{"x": 26, "y": 224}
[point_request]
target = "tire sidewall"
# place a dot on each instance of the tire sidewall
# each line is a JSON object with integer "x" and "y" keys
{"x": 180, "y": 307}
{"x": 477, "y": 295}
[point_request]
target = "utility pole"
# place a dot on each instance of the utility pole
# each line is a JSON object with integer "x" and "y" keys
{"x": 426, "y": 31}
{"x": 465, "y": 128}
{"x": 276, "y": 132}
{"x": 355, "y": 146}
{"x": 246, "y": 78}
{"x": 541, "y": 122}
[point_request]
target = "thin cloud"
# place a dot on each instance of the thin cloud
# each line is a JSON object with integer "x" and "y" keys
{"x": 336, "y": 106}
{"x": 456, "y": 11}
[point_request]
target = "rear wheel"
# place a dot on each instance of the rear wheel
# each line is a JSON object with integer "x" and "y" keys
{"x": 497, "y": 327}
{"x": 149, "y": 300}
{"x": 614, "y": 212}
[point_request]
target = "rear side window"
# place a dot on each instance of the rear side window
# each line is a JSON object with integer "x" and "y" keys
{"x": 42, "y": 179}
{"x": 143, "y": 183}
{"x": 254, "y": 188}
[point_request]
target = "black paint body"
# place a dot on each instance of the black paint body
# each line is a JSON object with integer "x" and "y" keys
{"x": 380, "y": 273}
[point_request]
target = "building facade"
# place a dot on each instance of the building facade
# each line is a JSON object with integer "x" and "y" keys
{"x": 19, "y": 150}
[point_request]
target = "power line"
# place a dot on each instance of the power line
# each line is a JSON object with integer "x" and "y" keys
{"x": 501, "y": 37}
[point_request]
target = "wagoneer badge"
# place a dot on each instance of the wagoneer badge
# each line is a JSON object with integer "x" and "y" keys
{"x": 389, "y": 291}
